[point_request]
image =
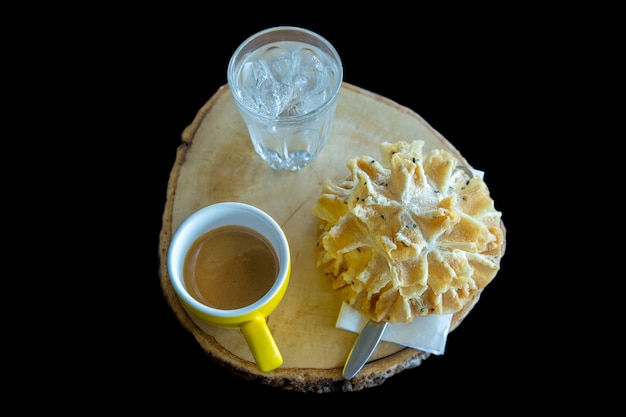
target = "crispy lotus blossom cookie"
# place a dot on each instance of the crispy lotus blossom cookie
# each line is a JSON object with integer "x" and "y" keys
{"x": 410, "y": 235}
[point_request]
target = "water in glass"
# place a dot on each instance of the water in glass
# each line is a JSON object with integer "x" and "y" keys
{"x": 287, "y": 93}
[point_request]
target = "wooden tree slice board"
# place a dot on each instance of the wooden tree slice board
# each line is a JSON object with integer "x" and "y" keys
{"x": 216, "y": 162}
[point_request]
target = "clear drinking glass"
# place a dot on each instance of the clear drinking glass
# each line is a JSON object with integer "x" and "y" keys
{"x": 285, "y": 82}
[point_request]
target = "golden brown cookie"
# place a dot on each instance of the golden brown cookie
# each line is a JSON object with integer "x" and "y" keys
{"x": 408, "y": 235}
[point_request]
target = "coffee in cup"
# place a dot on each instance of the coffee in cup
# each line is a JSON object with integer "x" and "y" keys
{"x": 230, "y": 267}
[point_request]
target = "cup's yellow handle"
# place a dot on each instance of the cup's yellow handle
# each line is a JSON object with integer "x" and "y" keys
{"x": 262, "y": 344}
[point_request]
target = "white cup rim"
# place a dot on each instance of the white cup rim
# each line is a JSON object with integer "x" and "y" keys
{"x": 222, "y": 214}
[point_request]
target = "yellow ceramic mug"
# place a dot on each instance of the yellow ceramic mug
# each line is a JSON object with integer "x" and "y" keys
{"x": 200, "y": 249}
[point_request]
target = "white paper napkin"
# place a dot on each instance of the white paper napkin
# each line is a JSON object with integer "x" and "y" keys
{"x": 428, "y": 334}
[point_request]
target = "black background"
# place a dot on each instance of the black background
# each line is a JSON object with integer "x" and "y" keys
{"x": 155, "y": 70}
{"x": 464, "y": 87}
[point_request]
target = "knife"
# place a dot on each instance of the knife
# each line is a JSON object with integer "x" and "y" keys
{"x": 363, "y": 347}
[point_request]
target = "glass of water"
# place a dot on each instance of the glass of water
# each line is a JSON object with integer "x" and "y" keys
{"x": 285, "y": 82}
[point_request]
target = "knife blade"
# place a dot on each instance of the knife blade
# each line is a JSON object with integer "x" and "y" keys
{"x": 363, "y": 347}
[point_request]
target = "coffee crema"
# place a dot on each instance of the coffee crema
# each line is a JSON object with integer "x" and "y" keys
{"x": 230, "y": 267}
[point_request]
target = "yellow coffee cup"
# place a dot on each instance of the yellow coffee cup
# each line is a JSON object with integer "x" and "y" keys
{"x": 230, "y": 264}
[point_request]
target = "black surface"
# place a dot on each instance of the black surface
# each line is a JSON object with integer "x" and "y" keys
{"x": 463, "y": 81}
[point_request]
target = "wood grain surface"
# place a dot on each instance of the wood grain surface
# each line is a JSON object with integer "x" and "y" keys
{"x": 215, "y": 162}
